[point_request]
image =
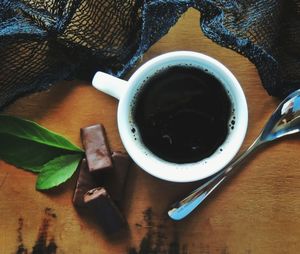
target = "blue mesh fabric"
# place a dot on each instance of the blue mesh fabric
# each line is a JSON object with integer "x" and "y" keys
{"x": 43, "y": 41}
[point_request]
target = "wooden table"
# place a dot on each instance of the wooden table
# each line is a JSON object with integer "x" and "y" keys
{"x": 257, "y": 212}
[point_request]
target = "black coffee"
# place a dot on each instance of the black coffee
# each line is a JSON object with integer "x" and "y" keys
{"x": 182, "y": 114}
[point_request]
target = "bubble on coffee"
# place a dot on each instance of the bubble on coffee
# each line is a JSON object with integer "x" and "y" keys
{"x": 182, "y": 114}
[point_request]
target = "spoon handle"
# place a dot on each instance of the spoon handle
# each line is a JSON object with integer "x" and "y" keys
{"x": 184, "y": 207}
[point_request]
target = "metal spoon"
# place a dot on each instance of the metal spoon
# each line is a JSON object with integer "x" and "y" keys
{"x": 284, "y": 121}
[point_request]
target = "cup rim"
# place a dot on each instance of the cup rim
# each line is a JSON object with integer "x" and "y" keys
{"x": 186, "y": 172}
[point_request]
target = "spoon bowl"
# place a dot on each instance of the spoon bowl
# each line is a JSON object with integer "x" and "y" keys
{"x": 285, "y": 120}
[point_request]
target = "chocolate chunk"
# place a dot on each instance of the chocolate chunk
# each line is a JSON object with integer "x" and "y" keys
{"x": 85, "y": 182}
{"x": 107, "y": 213}
{"x": 96, "y": 148}
{"x": 116, "y": 180}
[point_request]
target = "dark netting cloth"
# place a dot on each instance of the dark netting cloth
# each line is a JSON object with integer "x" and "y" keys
{"x": 43, "y": 41}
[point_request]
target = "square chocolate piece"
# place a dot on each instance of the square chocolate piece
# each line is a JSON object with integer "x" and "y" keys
{"x": 96, "y": 147}
{"x": 106, "y": 212}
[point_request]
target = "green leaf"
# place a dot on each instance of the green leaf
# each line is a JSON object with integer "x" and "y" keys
{"x": 57, "y": 171}
{"x": 27, "y": 154}
{"x": 31, "y": 131}
{"x": 28, "y": 145}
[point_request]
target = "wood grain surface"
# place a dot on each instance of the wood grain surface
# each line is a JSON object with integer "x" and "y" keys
{"x": 258, "y": 211}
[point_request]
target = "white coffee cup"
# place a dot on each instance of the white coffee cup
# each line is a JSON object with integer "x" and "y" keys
{"x": 127, "y": 91}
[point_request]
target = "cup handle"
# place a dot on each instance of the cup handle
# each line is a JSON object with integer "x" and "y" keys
{"x": 109, "y": 84}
